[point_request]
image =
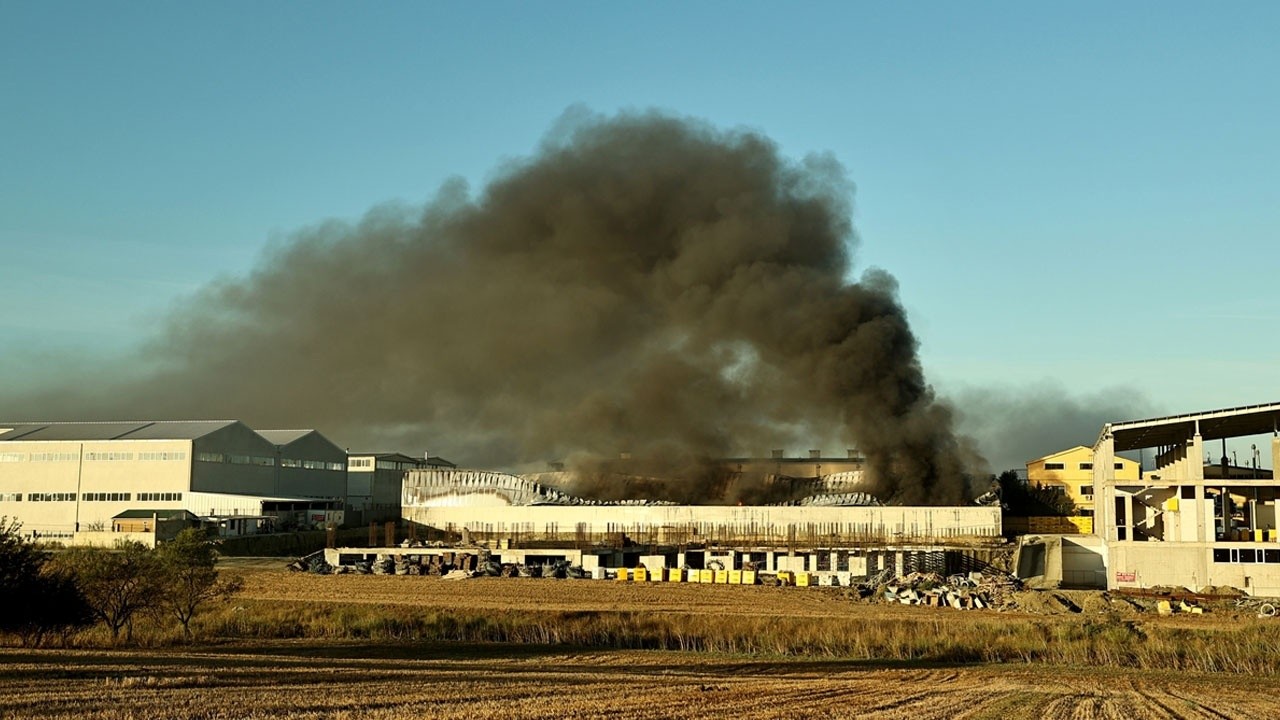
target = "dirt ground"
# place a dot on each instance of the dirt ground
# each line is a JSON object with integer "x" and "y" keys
{"x": 265, "y": 579}
{"x": 303, "y": 681}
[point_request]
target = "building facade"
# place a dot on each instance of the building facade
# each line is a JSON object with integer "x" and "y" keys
{"x": 1071, "y": 472}
{"x": 60, "y": 478}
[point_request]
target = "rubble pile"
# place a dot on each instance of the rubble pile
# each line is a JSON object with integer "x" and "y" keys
{"x": 965, "y": 591}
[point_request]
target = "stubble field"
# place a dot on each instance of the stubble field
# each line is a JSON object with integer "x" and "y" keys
{"x": 294, "y": 647}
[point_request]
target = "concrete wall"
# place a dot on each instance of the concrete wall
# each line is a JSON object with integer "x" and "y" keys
{"x": 697, "y": 523}
{"x": 1190, "y": 565}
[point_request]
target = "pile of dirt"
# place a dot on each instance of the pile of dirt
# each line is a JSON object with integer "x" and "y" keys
{"x": 1062, "y": 602}
{"x": 1222, "y": 591}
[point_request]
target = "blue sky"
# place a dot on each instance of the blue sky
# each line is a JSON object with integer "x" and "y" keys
{"x": 1082, "y": 195}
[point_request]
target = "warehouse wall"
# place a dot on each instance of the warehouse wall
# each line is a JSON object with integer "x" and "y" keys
{"x": 690, "y": 523}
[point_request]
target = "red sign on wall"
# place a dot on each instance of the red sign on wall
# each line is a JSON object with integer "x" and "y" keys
{"x": 1126, "y": 576}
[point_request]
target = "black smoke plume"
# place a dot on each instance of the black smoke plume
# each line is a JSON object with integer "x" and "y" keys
{"x": 643, "y": 284}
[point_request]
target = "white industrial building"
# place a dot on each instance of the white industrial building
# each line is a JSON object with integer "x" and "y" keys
{"x": 493, "y": 506}
{"x": 63, "y": 478}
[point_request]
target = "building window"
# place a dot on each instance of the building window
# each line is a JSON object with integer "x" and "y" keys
{"x": 335, "y": 466}
{"x": 51, "y": 497}
{"x": 162, "y": 456}
{"x": 1054, "y": 466}
{"x": 1119, "y": 466}
{"x": 1188, "y": 492}
{"x": 1086, "y": 466}
{"x": 9, "y": 457}
{"x": 10, "y": 497}
{"x": 108, "y": 497}
{"x": 209, "y": 457}
{"x": 159, "y": 497}
{"x": 54, "y": 457}
{"x": 108, "y": 456}
{"x": 1086, "y": 490}
{"x": 290, "y": 463}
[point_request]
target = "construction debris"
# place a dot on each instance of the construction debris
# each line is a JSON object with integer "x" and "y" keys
{"x": 971, "y": 591}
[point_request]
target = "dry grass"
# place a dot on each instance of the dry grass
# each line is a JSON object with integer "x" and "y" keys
{"x": 304, "y": 681}
{"x": 295, "y": 647}
{"x": 759, "y": 621}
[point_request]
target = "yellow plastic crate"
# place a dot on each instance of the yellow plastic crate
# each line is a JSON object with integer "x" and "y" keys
{"x": 804, "y": 579}
{"x": 640, "y": 575}
{"x": 735, "y": 577}
{"x": 721, "y": 577}
{"x": 624, "y": 574}
{"x": 786, "y": 577}
{"x": 693, "y": 576}
{"x": 748, "y": 577}
{"x": 707, "y": 576}
{"x": 675, "y": 575}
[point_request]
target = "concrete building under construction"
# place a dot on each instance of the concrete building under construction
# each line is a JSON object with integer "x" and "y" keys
{"x": 837, "y": 532}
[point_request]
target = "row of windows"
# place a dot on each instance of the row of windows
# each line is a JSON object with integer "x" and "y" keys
{"x": 89, "y": 456}
{"x": 251, "y": 460}
{"x": 1245, "y": 555}
{"x": 88, "y": 497}
{"x": 162, "y": 456}
{"x": 1083, "y": 466}
{"x": 51, "y": 497}
{"x": 159, "y": 496}
{"x": 107, "y": 497}
{"x": 361, "y": 462}
{"x": 109, "y": 456}
{"x": 269, "y": 462}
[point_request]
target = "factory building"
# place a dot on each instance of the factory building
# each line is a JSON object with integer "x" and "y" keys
{"x": 1071, "y": 472}
{"x": 509, "y": 512}
{"x": 70, "y": 480}
{"x": 374, "y": 482}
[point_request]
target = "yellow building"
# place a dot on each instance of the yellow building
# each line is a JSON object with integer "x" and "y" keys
{"x": 1072, "y": 471}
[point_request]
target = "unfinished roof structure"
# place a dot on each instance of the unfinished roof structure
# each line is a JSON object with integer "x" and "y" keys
{"x": 1174, "y": 526}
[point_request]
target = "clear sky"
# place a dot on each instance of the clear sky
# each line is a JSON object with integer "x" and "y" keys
{"x": 1081, "y": 194}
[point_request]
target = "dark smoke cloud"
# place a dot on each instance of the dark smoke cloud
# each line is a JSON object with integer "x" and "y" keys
{"x": 1014, "y": 425}
{"x": 644, "y": 284}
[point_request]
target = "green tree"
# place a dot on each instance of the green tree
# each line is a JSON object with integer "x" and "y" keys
{"x": 39, "y": 600}
{"x": 191, "y": 578}
{"x": 117, "y": 583}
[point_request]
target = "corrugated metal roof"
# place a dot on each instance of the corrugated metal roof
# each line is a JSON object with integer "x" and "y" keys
{"x": 280, "y": 438}
{"x": 135, "y": 430}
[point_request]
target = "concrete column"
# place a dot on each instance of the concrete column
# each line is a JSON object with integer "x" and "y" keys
{"x": 1198, "y": 508}
{"x": 1275, "y": 457}
{"x": 1195, "y": 458}
{"x": 1128, "y": 517}
{"x": 1104, "y": 488}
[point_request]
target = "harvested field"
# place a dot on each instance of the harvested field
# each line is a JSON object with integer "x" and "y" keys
{"x": 301, "y": 681}
{"x": 299, "y": 646}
